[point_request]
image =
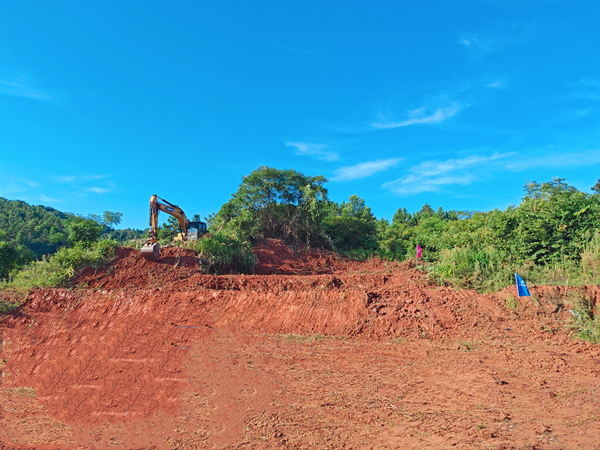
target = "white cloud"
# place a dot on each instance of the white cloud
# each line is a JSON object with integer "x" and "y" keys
{"x": 316, "y": 151}
{"x": 364, "y": 170}
{"x": 98, "y": 190}
{"x": 21, "y": 86}
{"x": 79, "y": 178}
{"x": 496, "y": 84}
{"x": 587, "y": 89}
{"x": 30, "y": 183}
{"x": 555, "y": 160}
{"x": 14, "y": 185}
{"x": 83, "y": 182}
{"x": 478, "y": 42}
{"x": 431, "y": 176}
{"x": 44, "y": 198}
{"x": 498, "y": 36}
{"x": 421, "y": 115}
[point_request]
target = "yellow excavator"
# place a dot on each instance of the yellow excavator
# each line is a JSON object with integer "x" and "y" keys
{"x": 190, "y": 230}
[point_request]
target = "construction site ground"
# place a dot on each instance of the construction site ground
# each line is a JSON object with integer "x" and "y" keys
{"x": 311, "y": 352}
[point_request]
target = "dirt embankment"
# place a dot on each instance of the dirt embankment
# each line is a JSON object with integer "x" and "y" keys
{"x": 320, "y": 353}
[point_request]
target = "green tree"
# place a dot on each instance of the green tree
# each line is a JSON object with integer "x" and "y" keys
{"x": 85, "y": 231}
{"x": 12, "y": 256}
{"x": 273, "y": 203}
{"x": 112, "y": 218}
{"x": 352, "y": 227}
{"x": 168, "y": 230}
{"x": 402, "y": 216}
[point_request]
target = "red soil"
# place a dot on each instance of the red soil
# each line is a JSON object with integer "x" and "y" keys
{"x": 322, "y": 353}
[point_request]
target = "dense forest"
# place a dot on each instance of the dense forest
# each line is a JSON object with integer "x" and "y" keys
{"x": 551, "y": 236}
{"x": 28, "y": 232}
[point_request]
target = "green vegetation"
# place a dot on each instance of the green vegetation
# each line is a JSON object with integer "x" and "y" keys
{"x": 61, "y": 267}
{"x": 271, "y": 203}
{"x": 27, "y": 232}
{"x": 223, "y": 253}
{"x": 552, "y": 236}
{"x": 586, "y": 319}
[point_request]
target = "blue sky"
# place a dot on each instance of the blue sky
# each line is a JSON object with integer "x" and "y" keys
{"x": 457, "y": 104}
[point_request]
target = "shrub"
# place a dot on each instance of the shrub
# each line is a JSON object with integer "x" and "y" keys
{"x": 590, "y": 259}
{"x": 85, "y": 232}
{"x": 12, "y": 257}
{"x": 223, "y": 253}
{"x": 484, "y": 269}
{"x": 60, "y": 268}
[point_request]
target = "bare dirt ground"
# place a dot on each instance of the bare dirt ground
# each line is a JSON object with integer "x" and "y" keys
{"x": 314, "y": 352}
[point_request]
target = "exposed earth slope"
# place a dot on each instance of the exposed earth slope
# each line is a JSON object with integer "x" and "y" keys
{"x": 313, "y": 352}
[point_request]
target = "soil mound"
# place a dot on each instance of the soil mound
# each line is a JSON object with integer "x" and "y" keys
{"x": 114, "y": 349}
{"x": 131, "y": 270}
{"x": 274, "y": 257}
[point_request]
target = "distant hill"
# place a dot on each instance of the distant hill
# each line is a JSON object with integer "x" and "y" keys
{"x": 42, "y": 229}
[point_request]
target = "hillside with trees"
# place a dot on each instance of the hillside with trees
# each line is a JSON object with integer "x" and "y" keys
{"x": 29, "y": 232}
{"x": 551, "y": 236}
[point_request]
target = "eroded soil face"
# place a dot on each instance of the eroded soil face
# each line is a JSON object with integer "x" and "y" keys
{"x": 315, "y": 353}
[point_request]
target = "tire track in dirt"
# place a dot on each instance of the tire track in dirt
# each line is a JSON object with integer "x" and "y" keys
{"x": 161, "y": 347}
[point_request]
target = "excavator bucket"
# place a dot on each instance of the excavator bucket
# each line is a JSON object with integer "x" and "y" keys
{"x": 151, "y": 251}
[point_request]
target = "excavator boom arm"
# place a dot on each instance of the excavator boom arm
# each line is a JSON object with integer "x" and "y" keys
{"x": 150, "y": 250}
{"x": 176, "y": 212}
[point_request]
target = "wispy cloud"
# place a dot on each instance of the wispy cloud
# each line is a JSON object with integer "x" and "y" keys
{"x": 46, "y": 199}
{"x": 98, "y": 190}
{"x": 29, "y": 183}
{"x": 16, "y": 185}
{"x": 422, "y": 115}
{"x": 316, "y": 151}
{"x": 496, "y": 84}
{"x": 79, "y": 178}
{"x": 497, "y": 37}
{"x": 364, "y": 169}
{"x": 586, "y": 88}
{"x": 21, "y": 86}
{"x": 431, "y": 176}
{"x": 479, "y": 42}
{"x": 554, "y": 160}
{"x": 82, "y": 182}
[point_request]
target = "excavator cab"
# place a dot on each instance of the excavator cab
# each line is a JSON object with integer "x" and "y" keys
{"x": 196, "y": 230}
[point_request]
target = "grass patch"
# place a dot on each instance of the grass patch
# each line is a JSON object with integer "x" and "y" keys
{"x": 60, "y": 268}
{"x": 467, "y": 346}
{"x": 23, "y": 392}
{"x": 301, "y": 338}
{"x": 586, "y": 321}
{"x": 9, "y": 307}
{"x": 487, "y": 269}
{"x": 512, "y": 302}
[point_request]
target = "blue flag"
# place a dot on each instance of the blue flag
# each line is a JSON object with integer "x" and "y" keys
{"x": 521, "y": 287}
